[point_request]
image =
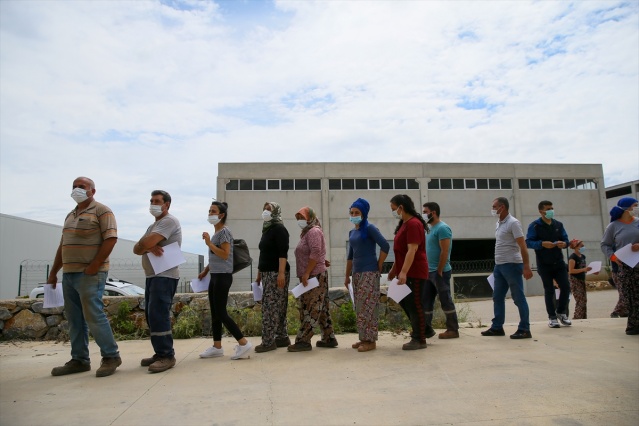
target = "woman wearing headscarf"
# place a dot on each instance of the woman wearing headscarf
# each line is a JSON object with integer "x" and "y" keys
{"x": 274, "y": 276}
{"x": 310, "y": 261}
{"x": 410, "y": 267}
{"x": 366, "y": 268}
{"x": 622, "y": 231}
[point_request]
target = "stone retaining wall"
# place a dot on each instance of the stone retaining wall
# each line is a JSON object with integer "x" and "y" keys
{"x": 28, "y": 319}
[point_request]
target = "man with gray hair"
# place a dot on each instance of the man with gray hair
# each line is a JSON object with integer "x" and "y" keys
{"x": 511, "y": 262}
{"x": 88, "y": 237}
{"x": 162, "y": 285}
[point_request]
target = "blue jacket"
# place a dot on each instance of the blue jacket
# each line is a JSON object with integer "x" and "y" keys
{"x": 539, "y": 231}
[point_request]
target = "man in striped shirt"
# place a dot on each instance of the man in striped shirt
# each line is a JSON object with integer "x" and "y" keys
{"x": 88, "y": 237}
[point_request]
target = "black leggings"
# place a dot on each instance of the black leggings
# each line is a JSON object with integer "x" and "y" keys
{"x": 218, "y": 297}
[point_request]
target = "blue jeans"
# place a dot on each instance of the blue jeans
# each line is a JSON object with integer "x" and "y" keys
{"x": 84, "y": 310}
{"x": 509, "y": 276}
{"x": 158, "y": 298}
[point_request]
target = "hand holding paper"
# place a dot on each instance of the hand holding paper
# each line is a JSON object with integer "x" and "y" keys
{"x": 299, "y": 289}
{"x": 398, "y": 292}
{"x": 199, "y": 285}
{"x": 53, "y": 297}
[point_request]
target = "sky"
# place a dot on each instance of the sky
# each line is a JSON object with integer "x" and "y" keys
{"x": 142, "y": 95}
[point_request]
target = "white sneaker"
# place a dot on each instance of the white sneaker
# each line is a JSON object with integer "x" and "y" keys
{"x": 563, "y": 318}
{"x": 552, "y": 323}
{"x": 212, "y": 352}
{"x": 241, "y": 350}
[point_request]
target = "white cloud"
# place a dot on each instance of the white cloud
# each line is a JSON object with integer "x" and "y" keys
{"x": 144, "y": 95}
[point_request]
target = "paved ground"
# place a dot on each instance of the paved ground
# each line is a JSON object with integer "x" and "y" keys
{"x": 587, "y": 374}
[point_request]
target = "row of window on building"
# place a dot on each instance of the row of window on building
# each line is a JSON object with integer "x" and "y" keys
{"x": 403, "y": 183}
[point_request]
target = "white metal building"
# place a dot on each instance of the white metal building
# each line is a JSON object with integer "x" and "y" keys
{"x": 464, "y": 191}
{"x": 616, "y": 192}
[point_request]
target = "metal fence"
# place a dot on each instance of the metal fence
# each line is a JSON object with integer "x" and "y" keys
{"x": 36, "y": 272}
{"x": 472, "y": 266}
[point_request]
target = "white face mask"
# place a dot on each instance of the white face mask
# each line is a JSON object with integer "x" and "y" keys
{"x": 302, "y": 223}
{"x": 266, "y": 216}
{"x": 635, "y": 211}
{"x": 155, "y": 210}
{"x": 494, "y": 212}
{"x": 214, "y": 219}
{"x": 396, "y": 215}
{"x": 79, "y": 195}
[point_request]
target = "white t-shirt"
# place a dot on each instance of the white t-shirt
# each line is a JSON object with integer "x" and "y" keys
{"x": 506, "y": 248}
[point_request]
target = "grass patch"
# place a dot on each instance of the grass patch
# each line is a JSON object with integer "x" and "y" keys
{"x": 188, "y": 324}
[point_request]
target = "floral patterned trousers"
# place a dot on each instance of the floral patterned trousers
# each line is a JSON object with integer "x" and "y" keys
{"x": 274, "y": 307}
{"x": 314, "y": 312}
{"x": 578, "y": 290}
{"x": 366, "y": 292}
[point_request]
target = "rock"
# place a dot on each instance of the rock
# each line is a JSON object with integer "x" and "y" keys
{"x": 9, "y": 305}
{"x": 139, "y": 319}
{"x": 53, "y": 320}
{"x": 5, "y": 314}
{"x": 52, "y": 334}
{"x": 200, "y": 305}
{"x": 25, "y": 324}
{"x": 177, "y": 307}
{"x": 24, "y": 303}
{"x": 1, "y": 325}
{"x": 37, "y": 307}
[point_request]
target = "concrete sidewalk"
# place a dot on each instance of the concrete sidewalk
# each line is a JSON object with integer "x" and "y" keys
{"x": 586, "y": 374}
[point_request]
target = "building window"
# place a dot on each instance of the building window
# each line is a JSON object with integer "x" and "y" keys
{"x": 315, "y": 184}
{"x": 233, "y": 185}
{"x": 288, "y": 184}
{"x": 619, "y": 192}
{"x": 348, "y": 183}
{"x": 334, "y": 184}
{"x": 470, "y": 183}
{"x": 259, "y": 185}
{"x": 557, "y": 184}
{"x": 374, "y": 184}
{"x": 246, "y": 185}
{"x": 273, "y": 185}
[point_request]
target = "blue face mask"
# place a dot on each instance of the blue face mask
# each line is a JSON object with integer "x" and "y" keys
{"x": 550, "y": 214}
{"x": 355, "y": 220}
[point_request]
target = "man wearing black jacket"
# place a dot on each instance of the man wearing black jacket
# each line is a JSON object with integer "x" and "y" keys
{"x": 548, "y": 237}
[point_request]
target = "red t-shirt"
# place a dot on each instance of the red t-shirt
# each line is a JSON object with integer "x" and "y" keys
{"x": 411, "y": 232}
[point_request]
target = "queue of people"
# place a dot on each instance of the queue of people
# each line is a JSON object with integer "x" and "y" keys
{"x": 90, "y": 233}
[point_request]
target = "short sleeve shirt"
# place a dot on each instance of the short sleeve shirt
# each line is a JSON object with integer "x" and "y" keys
{"x": 169, "y": 227}
{"x": 217, "y": 265}
{"x": 411, "y": 232}
{"x": 83, "y": 234}
{"x": 506, "y": 247}
{"x": 441, "y": 231}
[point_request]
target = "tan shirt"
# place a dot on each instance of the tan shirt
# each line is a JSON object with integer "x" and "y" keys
{"x": 83, "y": 234}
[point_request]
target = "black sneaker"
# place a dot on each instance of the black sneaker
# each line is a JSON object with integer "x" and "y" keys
{"x": 300, "y": 347}
{"x": 330, "y": 343}
{"x": 430, "y": 332}
{"x": 283, "y": 342}
{"x": 493, "y": 332}
{"x": 71, "y": 367}
{"x": 632, "y": 331}
{"x": 521, "y": 334}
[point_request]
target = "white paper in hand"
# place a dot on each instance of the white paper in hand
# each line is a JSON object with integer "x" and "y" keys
{"x": 199, "y": 285}
{"x": 350, "y": 291}
{"x": 596, "y": 267}
{"x": 398, "y": 292}
{"x": 491, "y": 281}
{"x": 299, "y": 289}
{"x": 627, "y": 256}
{"x": 171, "y": 258}
{"x": 257, "y": 291}
{"x": 53, "y": 298}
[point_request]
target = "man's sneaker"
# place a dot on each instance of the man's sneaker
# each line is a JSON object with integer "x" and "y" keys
{"x": 283, "y": 342}
{"x": 632, "y": 331}
{"x": 212, "y": 352}
{"x": 563, "y": 318}
{"x": 330, "y": 343}
{"x": 71, "y": 367}
{"x": 108, "y": 366}
{"x": 449, "y": 334}
{"x": 521, "y": 334}
{"x": 553, "y": 323}
{"x": 414, "y": 344}
{"x": 162, "y": 364}
{"x": 493, "y": 332}
{"x": 240, "y": 350}
{"x": 265, "y": 348}
{"x": 430, "y": 332}
{"x": 614, "y": 315}
{"x": 145, "y": 362}
{"x": 300, "y": 347}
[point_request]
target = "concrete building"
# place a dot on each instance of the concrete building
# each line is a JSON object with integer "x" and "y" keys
{"x": 28, "y": 247}
{"x": 616, "y": 192}
{"x": 464, "y": 191}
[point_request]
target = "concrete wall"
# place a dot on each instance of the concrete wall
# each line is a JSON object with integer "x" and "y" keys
{"x": 466, "y": 211}
{"x": 24, "y": 239}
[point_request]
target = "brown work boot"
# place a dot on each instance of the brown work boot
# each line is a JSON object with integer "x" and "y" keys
{"x": 356, "y": 345}
{"x": 162, "y": 364}
{"x": 413, "y": 345}
{"x": 449, "y": 334}
{"x": 283, "y": 342}
{"x": 300, "y": 347}
{"x": 108, "y": 366}
{"x": 330, "y": 343}
{"x": 145, "y": 362}
{"x": 71, "y": 367}
{"x": 366, "y": 346}
{"x": 265, "y": 348}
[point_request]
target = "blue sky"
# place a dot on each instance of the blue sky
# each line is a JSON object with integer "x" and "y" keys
{"x": 141, "y": 95}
